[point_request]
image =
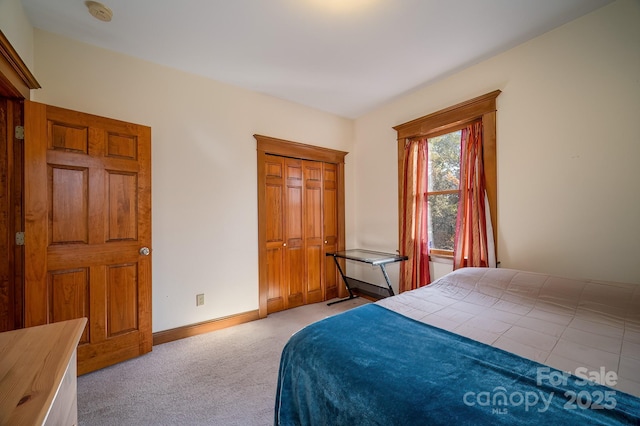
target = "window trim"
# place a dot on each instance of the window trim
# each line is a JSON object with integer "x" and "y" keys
{"x": 445, "y": 121}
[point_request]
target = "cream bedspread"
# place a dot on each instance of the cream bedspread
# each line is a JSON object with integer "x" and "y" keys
{"x": 567, "y": 324}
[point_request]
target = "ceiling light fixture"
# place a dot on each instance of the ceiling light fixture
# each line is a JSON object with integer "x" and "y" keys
{"x": 343, "y": 6}
{"x": 99, "y": 11}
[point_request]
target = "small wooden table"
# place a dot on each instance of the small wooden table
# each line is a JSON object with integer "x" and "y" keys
{"x": 375, "y": 258}
{"x": 38, "y": 374}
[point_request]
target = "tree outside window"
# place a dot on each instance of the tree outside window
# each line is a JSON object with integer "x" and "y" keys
{"x": 443, "y": 191}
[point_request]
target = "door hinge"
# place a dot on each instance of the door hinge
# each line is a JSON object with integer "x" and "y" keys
{"x": 20, "y": 238}
{"x": 20, "y": 132}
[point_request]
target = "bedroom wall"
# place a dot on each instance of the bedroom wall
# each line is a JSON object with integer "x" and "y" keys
{"x": 568, "y": 149}
{"x": 567, "y": 189}
{"x": 16, "y": 27}
{"x": 203, "y": 166}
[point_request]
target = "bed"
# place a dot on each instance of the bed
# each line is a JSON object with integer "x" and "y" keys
{"x": 477, "y": 346}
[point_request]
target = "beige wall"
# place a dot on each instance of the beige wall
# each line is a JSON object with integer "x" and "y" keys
{"x": 568, "y": 155}
{"x": 204, "y": 166}
{"x": 16, "y": 27}
{"x": 568, "y": 148}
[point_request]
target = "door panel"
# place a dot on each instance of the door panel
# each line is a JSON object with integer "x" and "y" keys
{"x": 330, "y": 221}
{"x": 313, "y": 231}
{"x": 294, "y": 270}
{"x": 294, "y": 235}
{"x": 274, "y": 238}
{"x": 69, "y": 293}
{"x": 88, "y": 213}
{"x": 274, "y": 278}
{"x": 122, "y": 193}
{"x": 122, "y": 299}
{"x": 69, "y": 209}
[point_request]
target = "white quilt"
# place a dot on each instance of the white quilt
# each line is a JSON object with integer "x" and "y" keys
{"x": 589, "y": 328}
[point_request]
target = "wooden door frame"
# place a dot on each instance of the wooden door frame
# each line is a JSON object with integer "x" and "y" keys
{"x": 284, "y": 148}
{"x": 16, "y": 81}
{"x": 15, "y": 78}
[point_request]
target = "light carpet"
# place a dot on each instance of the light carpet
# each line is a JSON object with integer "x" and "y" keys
{"x": 226, "y": 377}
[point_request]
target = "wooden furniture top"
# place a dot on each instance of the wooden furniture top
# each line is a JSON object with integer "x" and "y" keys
{"x": 33, "y": 362}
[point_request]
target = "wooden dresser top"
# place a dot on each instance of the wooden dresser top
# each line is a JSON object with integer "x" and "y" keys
{"x": 33, "y": 362}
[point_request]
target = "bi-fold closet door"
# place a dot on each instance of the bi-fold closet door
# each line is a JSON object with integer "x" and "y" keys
{"x": 301, "y": 221}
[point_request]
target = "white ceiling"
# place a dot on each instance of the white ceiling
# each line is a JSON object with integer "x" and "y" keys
{"x": 341, "y": 56}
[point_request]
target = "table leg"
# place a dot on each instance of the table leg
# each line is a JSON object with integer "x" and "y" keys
{"x": 346, "y": 284}
{"x": 386, "y": 277}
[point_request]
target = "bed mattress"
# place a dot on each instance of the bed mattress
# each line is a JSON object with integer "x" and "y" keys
{"x": 584, "y": 327}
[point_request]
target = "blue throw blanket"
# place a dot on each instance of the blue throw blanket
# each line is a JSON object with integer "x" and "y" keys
{"x": 372, "y": 366}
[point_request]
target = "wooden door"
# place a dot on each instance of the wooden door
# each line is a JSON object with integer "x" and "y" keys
{"x": 274, "y": 193}
{"x": 284, "y": 233}
{"x": 296, "y": 262}
{"x": 330, "y": 223}
{"x": 294, "y": 247}
{"x": 87, "y": 219}
{"x": 314, "y": 229}
{"x": 300, "y": 218}
{"x": 294, "y": 217}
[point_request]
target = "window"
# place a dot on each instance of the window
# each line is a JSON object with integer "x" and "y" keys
{"x": 443, "y": 191}
{"x": 442, "y": 130}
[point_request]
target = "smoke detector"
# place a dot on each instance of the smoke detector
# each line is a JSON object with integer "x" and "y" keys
{"x": 99, "y": 11}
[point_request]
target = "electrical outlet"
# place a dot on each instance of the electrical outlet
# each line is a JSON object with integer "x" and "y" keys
{"x": 199, "y": 299}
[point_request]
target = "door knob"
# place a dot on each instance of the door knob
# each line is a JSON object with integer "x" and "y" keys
{"x": 145, "y": 251}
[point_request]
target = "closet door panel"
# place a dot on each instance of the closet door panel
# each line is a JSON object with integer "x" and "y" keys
{"x": 275, "y": 279}
{"x": 294, "y": 234}
{"x": 330, "y": 223}
{"x": 294, "y": 270}
{"x": 274, "y": 230}
{"x": 313, "y": 225}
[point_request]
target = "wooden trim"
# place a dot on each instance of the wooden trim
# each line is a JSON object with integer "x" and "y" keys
{"x": 15, "y": 78}
{"x": 489, "y": 156}
{"x": 263, "y": 288}
{"x": 342, "y": 290}
{"x": 441, "y": 253}
{"x": 449, "y": 117}
{"x": 13, "y": 90}
{"x": 35, "y": 226}
{"x": 481, "y": 108}
{"x": 286, "y": 148}
{"x": 273, "y": 146}
{"x": 178, "y": 333}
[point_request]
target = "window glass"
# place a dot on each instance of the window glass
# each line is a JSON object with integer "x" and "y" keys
{"x": 444, "y": 162}
{"x": 443, "y": 211}
{"x": 443, "y": 184}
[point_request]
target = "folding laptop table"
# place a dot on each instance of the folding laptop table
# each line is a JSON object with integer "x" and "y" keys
{"x": 370, "y": 257}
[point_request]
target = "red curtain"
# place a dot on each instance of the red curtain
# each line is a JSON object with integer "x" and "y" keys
{"x": 413, "y": 221}
{"x": 473, "y": 245}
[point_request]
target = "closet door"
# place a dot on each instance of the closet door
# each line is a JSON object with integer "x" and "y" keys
{"x": 314, "y": 228}
{"x": 285, "y": 248}
{"x": 274, "y": 191}
{"x": 330, "y": 222}
{"x": 300, "y": 219}
{"x": 294, "y": 248}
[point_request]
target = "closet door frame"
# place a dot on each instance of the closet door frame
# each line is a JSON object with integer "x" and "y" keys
{"x": 16, "y": 82}
{"x": 267, "y": 145}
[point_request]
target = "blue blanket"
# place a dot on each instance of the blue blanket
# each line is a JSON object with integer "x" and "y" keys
{"x": 372, "y": 366}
